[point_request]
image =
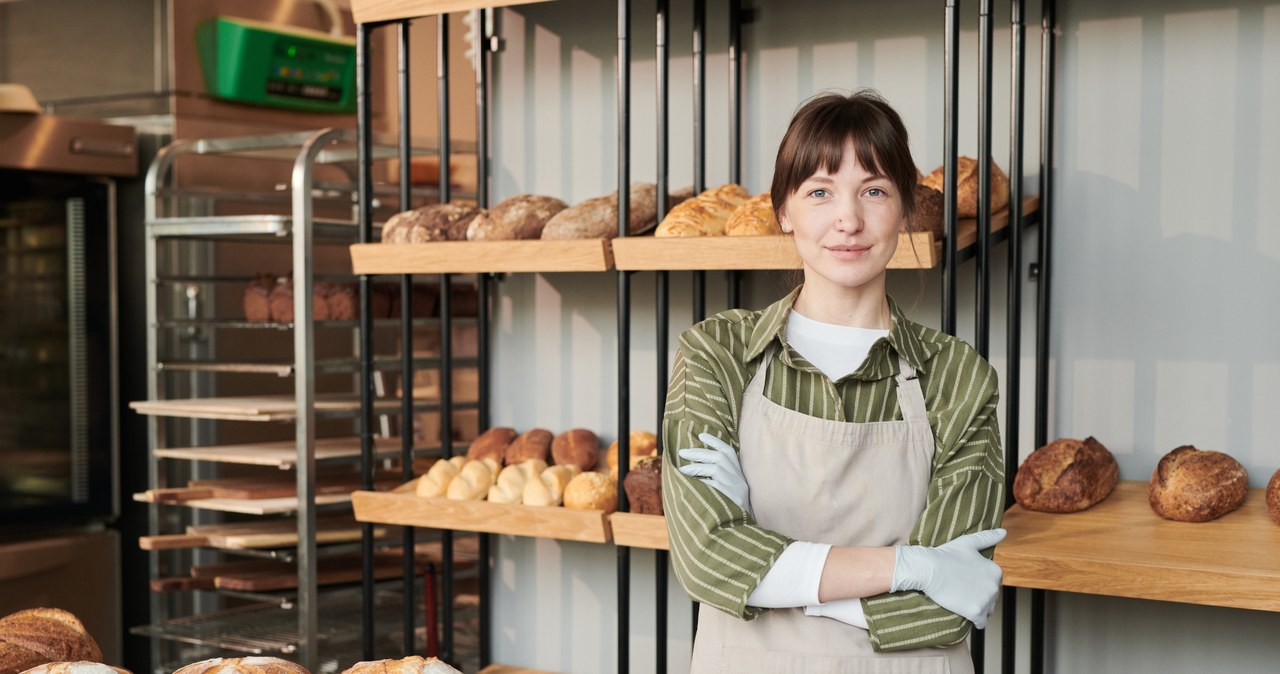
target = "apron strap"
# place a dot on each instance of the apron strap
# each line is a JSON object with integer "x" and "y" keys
{"x": 756, "y": 385}
{"x": 910, "y": 396}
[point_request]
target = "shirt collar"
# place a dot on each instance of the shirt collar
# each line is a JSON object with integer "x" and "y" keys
{"x": 904, "y": 337}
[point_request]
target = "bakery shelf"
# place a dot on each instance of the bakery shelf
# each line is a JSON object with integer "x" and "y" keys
{"x": 368, "y": 11}
{"x": 284, "y": 368}
{"x": 285, "y": 505}
{"x": 240, "y": 324}
{"x": 1121, "y": 548}
{"x": 251, "y": 227}
{"x": 271, "y": 407}
{"x": 481, "y": 257}
{"x": 402, "y": 506}
{"x": 916, "y": 250}
{"x": 281, "y": 454}
{"x": 259, "y": 534}
{"x": 640, "y": 531}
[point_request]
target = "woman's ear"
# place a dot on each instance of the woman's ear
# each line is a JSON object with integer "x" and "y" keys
{"x": 784, "y": 221}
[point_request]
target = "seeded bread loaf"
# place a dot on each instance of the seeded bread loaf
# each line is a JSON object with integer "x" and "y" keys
{"x": 591, "y": 491}
{"x": 1190, "y": 485}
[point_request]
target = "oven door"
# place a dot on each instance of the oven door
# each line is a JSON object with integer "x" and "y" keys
{"x": 57, "y": 330}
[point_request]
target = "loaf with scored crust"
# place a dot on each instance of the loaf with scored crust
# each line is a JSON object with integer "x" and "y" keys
{"x": 52, "y": 634}
{"x": 1190, "y": 485}
{"x": 967, "y": 186}
{"x": 705, "y": 215}
{"x": 414, "y": 664}
{"x": 1066, "y": 476}
{"x": 250, "y": 665}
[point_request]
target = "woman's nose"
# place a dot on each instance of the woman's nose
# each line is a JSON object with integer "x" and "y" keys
{"x": 848, "y": 219}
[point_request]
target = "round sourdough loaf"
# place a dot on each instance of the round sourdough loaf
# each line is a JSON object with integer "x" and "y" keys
{"x": 252, "y": 665}
{"x": 577, "y": 447}
{"x": 76, "y": 668}
{"x": 55, "y": 635}
{"x": 1066, "y": 476}
{"x": 1273, "y": 497}
{"x": 414, "y": 664}
{"x": 1190, "y": 485}
{"x": 591, "y": 491}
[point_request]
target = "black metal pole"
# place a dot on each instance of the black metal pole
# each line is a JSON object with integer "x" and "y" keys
{"x": 733, "y": 278}
{"x": 482, "y": 197}
{"x": 364, "y": 192}
{"x": 950, "y": 132}
{"x": 1048, "y": 24}
{"x": 406, "y": 341}
{"x": 624, "y": 325}
{"x": 699, "y": 137}
{"x": 446, "y": 336}
{"x": 660, "y": 288}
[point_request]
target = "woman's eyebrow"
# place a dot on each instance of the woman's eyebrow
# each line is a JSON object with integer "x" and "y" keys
{"x": 819, "y": 179}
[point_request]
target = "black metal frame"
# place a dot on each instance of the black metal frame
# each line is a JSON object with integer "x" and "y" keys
{"x": 951, "y": 260}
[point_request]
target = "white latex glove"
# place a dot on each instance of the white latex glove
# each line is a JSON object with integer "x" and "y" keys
{"x": 719, "y": 468}
{"x": 954, "y": 574}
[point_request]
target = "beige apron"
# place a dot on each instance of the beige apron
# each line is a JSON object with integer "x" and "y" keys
{"x": 834, "y": 482}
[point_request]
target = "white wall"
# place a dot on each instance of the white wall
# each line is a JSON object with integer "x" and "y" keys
{"x": 1161, "y": 322}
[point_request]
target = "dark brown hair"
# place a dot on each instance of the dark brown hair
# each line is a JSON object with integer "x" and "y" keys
{"x": 818, "y": 134}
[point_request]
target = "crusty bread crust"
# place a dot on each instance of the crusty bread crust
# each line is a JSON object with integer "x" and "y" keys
{"x": 1066, "y": 476}
{"x": 414, "y": 664}
{"x": 252, "y": 665}
{"x": 1190, "y": 485}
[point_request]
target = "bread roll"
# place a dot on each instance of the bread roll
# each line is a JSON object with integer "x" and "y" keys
{"x": 1273, "y": 497}
{"x": 436, "y": 482}
{"x": 257, "y": 298}
{"x": 548, "y": 489}
{"x": 521, "y": 217}
{"x": 598, "y": 218}
{"x": 532, "y": 444}
{"x": 967, "y": 186}
{"x": 55, "y": 635}
{"x": 643, "y": 444}
{"x": 928, "y": 212}
{"x": 281, "y": 301}
{"x": 414, "y": 664}
{"x": 253, "y": 665}
{"x": 74, "y": 668}
{"x": 492, "y": 444}
{"x": 511, "y": 481}
{"x": 706, "y": 215}
{"x": 1066, "y": 476}
{"x": 578, "y": 447}
{"x": 472, "y": 482}
{"x": 1190, "y": 485}
{"x": 591, "y": 491}
{"x": 755, "y": 217}
{"x": 644, "y": 486}
{"x": 342, "y": 303}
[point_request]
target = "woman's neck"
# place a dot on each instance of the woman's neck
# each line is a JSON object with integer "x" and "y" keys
{"x": 861, "y": 307}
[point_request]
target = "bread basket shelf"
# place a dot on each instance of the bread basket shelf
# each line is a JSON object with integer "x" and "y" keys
{"x": 403, "y": 507}
{"x": 1121, "y": 548}
{"x": 270, "y": 407}
{"x": 640, "y": 531}
{"x": 482, "y": 257}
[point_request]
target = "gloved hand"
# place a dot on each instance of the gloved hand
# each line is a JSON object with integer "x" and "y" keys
{"x": 954, "y": 574}
{"x": 719, "y": 468}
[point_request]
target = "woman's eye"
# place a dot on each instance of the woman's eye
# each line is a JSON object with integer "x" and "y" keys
{"x": 876, "y": 192}
{"x": 819, "y": 193}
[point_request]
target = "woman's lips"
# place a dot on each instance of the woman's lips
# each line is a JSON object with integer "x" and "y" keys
{"x": 848, "y": 252}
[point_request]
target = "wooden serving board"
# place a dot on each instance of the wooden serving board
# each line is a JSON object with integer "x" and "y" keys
{"x": 1121, "y": 548}
{"x": 478, "y": 257}
{"x": 640, "y": 531}
{"x": 409, "y": 509}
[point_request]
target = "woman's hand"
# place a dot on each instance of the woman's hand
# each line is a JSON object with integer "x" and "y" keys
{"x": 954, "y": 574}
{"x": 719, "y": 468}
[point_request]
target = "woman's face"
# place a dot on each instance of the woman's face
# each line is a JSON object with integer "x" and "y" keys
{"x": 845, "y": 224}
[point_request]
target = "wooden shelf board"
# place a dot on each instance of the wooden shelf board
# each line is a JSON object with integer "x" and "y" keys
{"x": 640, "y": 531}
{"x": 917, "y": 250}
{"x": 1121, "y": 548}
{"x": 258, "y": 506}
{"x": 478, "y": 257}
{"x": 260, "y": 534}
{"x": 258, "y": 408}
{"x": 367, "y": 11}
{"x": 405, "y": 508}
{"x": 282, "y": 454}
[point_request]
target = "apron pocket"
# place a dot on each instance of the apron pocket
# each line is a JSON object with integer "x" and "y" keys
{"x": 749, "y": 661}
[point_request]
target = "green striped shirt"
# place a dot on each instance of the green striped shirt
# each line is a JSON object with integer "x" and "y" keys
{"x": 719, "y": 554}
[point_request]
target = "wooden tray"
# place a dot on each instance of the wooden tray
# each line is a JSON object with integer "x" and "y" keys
{"x": 479, "y": 257}
{"x": 281, "y": 454}
{"x": 258, "y": 534}
{"x": 405, "y": 508}
{"x": 260, "y": 506}
{"x": 640, "y": 531}
{"x": 1121, "y": 548}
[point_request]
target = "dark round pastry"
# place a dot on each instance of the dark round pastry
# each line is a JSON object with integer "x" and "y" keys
{"x": 644, "y": 486}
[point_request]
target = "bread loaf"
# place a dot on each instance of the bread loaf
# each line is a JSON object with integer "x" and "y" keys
{"x": 511, "y": 481}
{"x": 578, "y": 447}
{"x": 257, "y": 298}
{"x": 473, "y": 481}
{"x": 1190, "y": 485}
{"x": 927, "y": 216}
{"x": 281, "y": 301}
{"x": 492, "y": 444}
{"x": 436, "y": 482}
{"x": 598, "y": 218}
{"x": 643, "y": 444}
{"x": 755, "y": 217}
{"x": 1273, "y": 497}
{"x": 437, "y": 222}
{"x": 342, "y": 303}
{"x": 74, "y": 668}
{"x": 706, "y": 215}
{"x": 531, "y": 444}
{"x": 1066, "y": 476}
{"x": 591, "y": 491}
{"x": 52, "y": 634}
{"x": 521, "y": 217}
{"x": 548, "y": 489}
{"x": 252, "y": 665}
{"x": 967, "y": 186}
{"x": 414, "y": 664}
{"x": 644, "y": 486}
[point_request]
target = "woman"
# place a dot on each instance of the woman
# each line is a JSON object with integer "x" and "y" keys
{"x": 869, "y": 442}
